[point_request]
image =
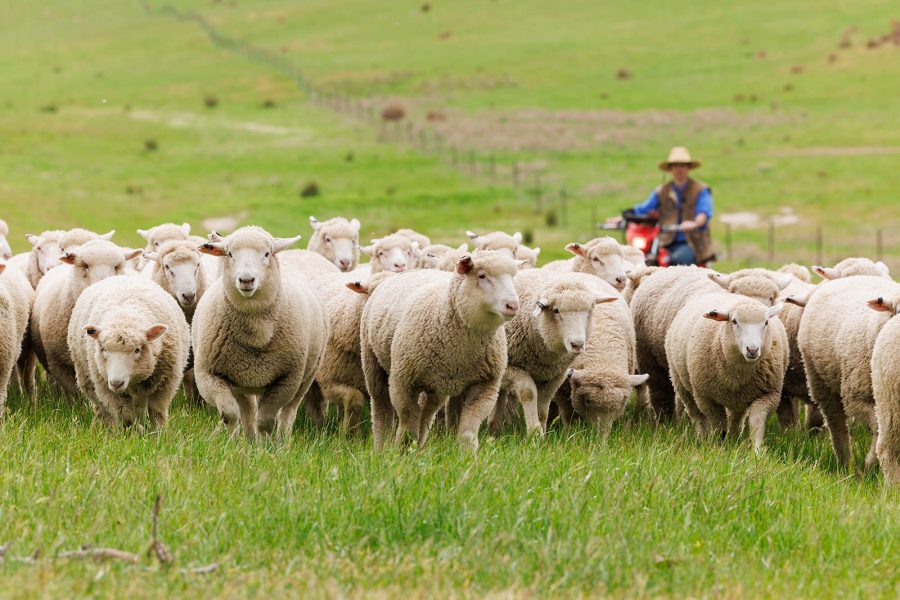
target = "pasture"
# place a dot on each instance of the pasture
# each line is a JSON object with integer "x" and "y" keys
{"x": 112, "y": 118}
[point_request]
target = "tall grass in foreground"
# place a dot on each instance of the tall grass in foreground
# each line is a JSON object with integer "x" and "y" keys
{"x": 654, "y": 511}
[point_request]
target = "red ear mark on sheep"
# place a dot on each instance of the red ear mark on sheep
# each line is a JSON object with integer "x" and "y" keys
{"x": 716, "y": 316}
{"x": 797, "y": 300}
{"x": 879, "y": 304}
{"x": 465, "y": 265}
{"x": 2, "y": 266}
{"x": 212, "y": 248}
{"x": 576, "y": 249}
{"x": 68, "y": 258}
{"x": 358, "y": 287}
{"x": 92, "y": 330}
{"x": 605, "y": 299}
{"x": 155, "y": 331}
{"x": 826, "y": 272}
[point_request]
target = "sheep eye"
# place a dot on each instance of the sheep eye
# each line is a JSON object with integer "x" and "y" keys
{"x": 482, "y": 276}
{"x": 556, "y": 311}
{"x": 137, "y": 350}
{"x": 229, "y": 254}
{"x": 734, "y": 321}
{"x": 267, "y": 255}
{"x": 766, "y": 324}
{"x": 327, "y": 240}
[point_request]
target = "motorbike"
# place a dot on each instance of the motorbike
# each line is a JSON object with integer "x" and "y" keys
{"x": 642, "y": 232}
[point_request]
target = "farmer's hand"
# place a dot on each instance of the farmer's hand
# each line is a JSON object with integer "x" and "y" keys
{"x": 689, "y": 225}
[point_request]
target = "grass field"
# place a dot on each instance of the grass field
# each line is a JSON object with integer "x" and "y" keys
{"x": 86, "y": 87}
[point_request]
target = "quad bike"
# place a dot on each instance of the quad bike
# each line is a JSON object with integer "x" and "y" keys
{"x": 642, "y": 232}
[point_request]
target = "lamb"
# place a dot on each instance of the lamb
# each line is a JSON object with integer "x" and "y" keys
{"x": 340, "y": 380}
{"x": 602, "y": 257}
{"x": 55, "y": 298}
{"x": 158, "y": 235}
{"x": 853, "y": 266}
{"x": 430, "y": 256}
{"x": 727, "y": 358}
{"x": 391, "y": 253}
{"x": 529, "y": 256}
{"x": 659, "y": 298}
{"x": 16, "y": 298}
{"x": 886, "y": 390}
{"x": 44, "y": 256}
{"x": 497, "y": 240}
{"x": 73, "y": 238}
{"x": 440, "y": 334}
{"x": 129, "y": 342}
{"x": 836, "y": 338}
{"x": 259, "y": 335}
{"x": 414, "y": 236}
{"x": 5, "y": 250}
{"x": 337, "y": 240}
{"x": 541, "y": 343}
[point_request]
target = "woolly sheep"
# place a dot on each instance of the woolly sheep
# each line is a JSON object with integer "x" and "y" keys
{"x": 55, "y": 298}
{"x": 497, "y": 240}
{"x": 44, "y": 255}
{"x": 259, "y": 334}
{"x": 528, "y": 255}
{"x": 5, "y": 250}
{"x": 886, "y": 389}
{"x": 430, "y": 256}
{"x": 73, "y": 238}
{"x": 543, "y": 339}
{"x": 307, "y": 262}
{"x": 158, "y": 235}
{"x": 853, "y": 266}
{"x": 727, "y": 357}
{"x": 391, "y": 253}
{"x": 601, "y": 256}
{"x": 414, "y": 236}
{"x": 129, "y": 343}
{"x": 836, "y": 339}
{"x": 16, "y": 298}
{"x": 450, "y": 260}
{"x": 440, "y": 334}
{"x": 337, "y": 240}
{"x": 658, "y": 299}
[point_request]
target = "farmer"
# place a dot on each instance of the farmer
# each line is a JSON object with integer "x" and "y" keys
{"x": 683, "y": 201}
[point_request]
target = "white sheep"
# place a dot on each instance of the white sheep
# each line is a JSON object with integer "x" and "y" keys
{"x": 129, "y": 343}
{"x": 886, "y": 389}
{"x": 430, "y": 256}
{"x": 158, "y": 235}
{"x": 392, "y": 253}
{"x": 44, "y": 255}
{"x": 16, "y": 298}
{"x": 259, "y": 335}
{"x": 660, "y": 296}
{"x": 439, "y": 334}
{"x": 853, "y": 266}
{"x": 543, "y": 339}
{"x": 529, "y": 256}
{"x": 307, "y": 262}
{"x": 337, "y": 240}
{"x": 836, "y": 338}
{"x": 497, "y": 240}
{"x": 727, "y": 357}
{"x": 73, "y": 238}
{"x": 5, "y": 250}
{"x": 414, "y": 236}
{"x": 55, "y": 298}
{"x": 601, "y": 256}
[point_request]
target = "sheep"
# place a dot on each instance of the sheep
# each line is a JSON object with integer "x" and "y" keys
{"x": 5, "y": 250}
{"x": 56, "y": 295}
{"x": 727, "y": 358}
{"x": 450, "y": 260}
{"x": 158, "y": 235}
{"x": 886, "y": 389}
{"x": 497, "y": 240}
{"x": 16, "y": 298}
{"x": 391, "y": 253}
{"x": 430, "y": 256}
{"x": 528, "y": 255}
{"x": 799, "y": 272}
{"x": 414, "y": 236}
{"x": 853, "y": 266}
{"x": 337, "y": 240}
{"x": 129, "y": 343}
{"x": 340, "y": 380}
{"x": 73, "y": 238}
{"x": 440, "y": 334}
{"x": 836, "y": 338}
{"x": 601, "y": 380}
{"x": 602, "y": 257}
{"x": 541, "y": 343}
{"x": 659, "y": 298}
{"x": 259, "y": 335}
{"x": 307, "y": 262}
{"x": 44, "y": 256}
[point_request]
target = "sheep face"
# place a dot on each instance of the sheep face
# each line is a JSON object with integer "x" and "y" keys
{"x": 392, "y": 253}
{"x": 46, "y": 249}
{"x": 430, "y": 256}
{"x": 249, "y": 257}
{"x": 487, "y": 290}
{"x": 747, "y": 328}
{"x": 853, "y": 266}
{"x": 156, "y": 236}
{"x": 529, "y": 256}
{"x": 338, "y": 241}
{"x": 95, "y": 261}
{"x": 124, "y": 356}
{"x": 497, "y": 241}
{"x": 759, "y": 287}
{"x": 73, "y": 238}
{"x": 563, "y": 317}
{"x": 181, "y": 269}
{"x": 5, "y": 250}
{"x": 594, "y": 395}
{"x": 605, "y": 258}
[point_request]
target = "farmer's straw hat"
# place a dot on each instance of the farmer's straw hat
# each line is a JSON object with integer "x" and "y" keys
{"x": 679, "y": 155}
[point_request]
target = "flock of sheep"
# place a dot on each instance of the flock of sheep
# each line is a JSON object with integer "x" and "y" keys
{"x": 429, "y": 333}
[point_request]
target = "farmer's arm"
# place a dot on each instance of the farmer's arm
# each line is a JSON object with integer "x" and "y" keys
{"x": 703, "y": 212}
{"x": 651, "y": 203}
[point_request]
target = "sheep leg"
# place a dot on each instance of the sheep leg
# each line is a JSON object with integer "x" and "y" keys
{"x": 451, "y": 412}
{"x": 546, "y": 391}
{"x": 497, "y": 420}
{"x": 314, "y": 404}
{"x": 758, "y": 413}
{"x": 787, "y": 413}
{"x": 716, "y": 418}
{"x": 379, "y": 396}
{"x": 406, "y": 402}
{"x": 814, "y": 419}
{"x": 247, "y": 407}
{"x": 26, "y": 367}
{"x": 833, "y": 412}
{"x": 218, "y": 392}
{"x": 432, "y": 404}
{"x": 566, "y": 410}
{"x": 477, "y": 406}
{"x": 698, "y": 419}
{"x": 642, "y": 399}
{"x": 64, "y": 376}
{"x": 735, "y": 422}
{"x": 191, "y": 393}
{"x": 662, "y": 394}
{"x": 871, "y": 455}
{"x": 106, "y": 407}
{"x": 525, "y": 391}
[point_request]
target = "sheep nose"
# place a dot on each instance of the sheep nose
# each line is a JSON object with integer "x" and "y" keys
{"x": 188, "y": 298}
{"x": 577, "y": 345}
{"x": 399, "y": 267}
{"x": 752, "y": 351}
{"x": 510, "y": 308}
{"x": 116, "y": 384}
{"x": 344, "y": 264}
{"x": 620, "y": 281}
{"x": 246, "y": 282}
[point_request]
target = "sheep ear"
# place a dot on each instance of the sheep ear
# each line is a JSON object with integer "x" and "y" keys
{"x": 885, "y": 270}
{"x": 521, "y": 264}
{"x": 154, "y": 256}
{"x": 92, "y": 330}
{"x": 465, "y": 265}
{"x": 472, "y": 235}
{"x": 214, "y": 236}
{"x": 212, "y": 248}
{"x": 355, "y": 224}
{"x": 32, "y": 239}
{"x": 314, "y": 222}
{"x": 636, "y": 380}
{"x": 605, "y": 299}
{"x": 2, "y": 265}
{"x": 284, "y": 243}
{"x": 722, "y": 280}
{"x": 186, "y": 228}
{"x": 798, "y": 300}
{"x": 518, "y": 237}
{"x": 108, "y": 235}
{"x": 155, "y": 331}
{"x": 540, "y": 306}
{"x": 576, "y": 249}
{"x": 367, "y": 250}
{"x": 716, "y": 315}
{"x": 574, "y": 375}
{"x": 358, "y": 287}
{"x": 68, "y": 258}
{"x": 144, "y": 233}
{"x": 784, "y": 280}
{"x": 826, "y": 272}
{"x": 774, "y": 311}
{"x": 464, "y": 247}
{"x": 131, "y": 254}
{"x": 537, "y": 252}
{"x": 881, "y": 305}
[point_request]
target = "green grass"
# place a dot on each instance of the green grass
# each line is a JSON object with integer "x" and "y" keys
{"x": 655, "y": 512}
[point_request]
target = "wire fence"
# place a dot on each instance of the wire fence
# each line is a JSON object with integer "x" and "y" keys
{"x": 529, "y": 180}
